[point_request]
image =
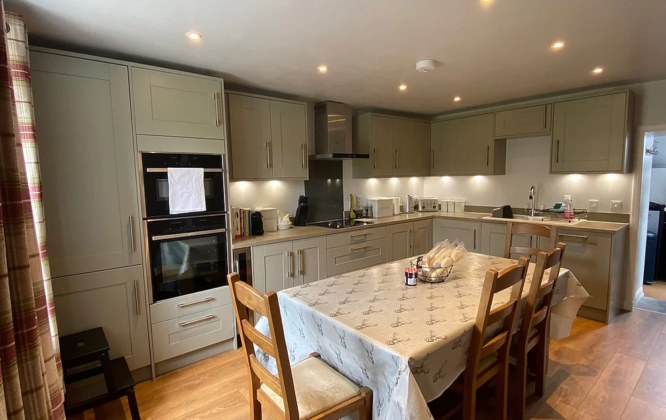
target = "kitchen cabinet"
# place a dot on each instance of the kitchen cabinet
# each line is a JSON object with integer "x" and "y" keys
{"x": 493, "y": 240}
{"x": 111, "y": 299}
{"x": 523, "y": 122}
{"x": 397, "y": 146}
{"x": 399, "y": 241}
{"x": 268, "y": 138}
{"x": 422, "y": 237}
{"x": 283, "y": 265}
{"x": 591, "y": 134}
{"x": 343, "y": 259}
{"x": 467, "y": 146}
{"x": 83, "y": 115}
{"x": 461, "y": 230}
{"x": 177, "y": 105}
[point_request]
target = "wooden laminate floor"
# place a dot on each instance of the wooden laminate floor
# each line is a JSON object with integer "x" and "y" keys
{"x": 656, "y": 290}
{"x": 609, "y": 372}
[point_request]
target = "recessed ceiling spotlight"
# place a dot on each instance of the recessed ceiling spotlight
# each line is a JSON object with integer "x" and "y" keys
{"x": 457, "y": 99}
{"x": 194, "y": 36}
{"x": 323, "y": 68}
{"x": 557, "y": 45}
{"x": 598, "y": 70}
{"x": 402, "y": 87}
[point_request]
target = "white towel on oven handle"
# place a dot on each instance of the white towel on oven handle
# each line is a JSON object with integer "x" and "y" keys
{"x": 186, "y": 190}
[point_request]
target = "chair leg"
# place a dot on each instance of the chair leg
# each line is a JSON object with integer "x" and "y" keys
{"x": 520, "y": 386}
{"x": 366, "y": 412}
{"x": 469, "y": 404}
{"x": 501, "y": 393}
{"x": 255, "y": 405}
{"x": 133, "y": 406}
{"x": 541, "y": 353}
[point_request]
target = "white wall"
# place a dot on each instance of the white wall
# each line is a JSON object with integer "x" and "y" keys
{"x": 527, "y": 164}
{"x": 283, "y": 195}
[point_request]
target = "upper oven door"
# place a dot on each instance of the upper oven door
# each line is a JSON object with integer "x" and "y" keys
{"x": 187, "y": 255}
{"x": 156, "y": 182}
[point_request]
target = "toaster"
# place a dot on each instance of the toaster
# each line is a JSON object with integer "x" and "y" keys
{"x": 427, "y": 204}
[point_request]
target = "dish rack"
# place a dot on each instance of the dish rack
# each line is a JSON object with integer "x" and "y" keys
{"x": 431, "y": 275}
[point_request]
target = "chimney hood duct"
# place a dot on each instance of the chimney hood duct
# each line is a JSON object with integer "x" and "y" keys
{"x": 333, "y": 132}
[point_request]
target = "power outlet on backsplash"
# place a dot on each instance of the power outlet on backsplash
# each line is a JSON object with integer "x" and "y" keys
{"x": 593, "y": 206}
{"x": 616, "y": 206}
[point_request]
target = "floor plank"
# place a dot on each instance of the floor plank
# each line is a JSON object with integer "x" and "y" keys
{"x": 643, "y": 336}
{"x": 638, "y": 409}
{"x": 652, "y": 385}
{"x": 656, "y": 290}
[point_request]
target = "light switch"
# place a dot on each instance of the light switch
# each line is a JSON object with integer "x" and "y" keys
{"x": 616, "y": 206}
{"x": 593, "y": 206}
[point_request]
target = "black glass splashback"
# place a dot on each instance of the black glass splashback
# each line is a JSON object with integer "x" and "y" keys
{"x": 324, "y": 189}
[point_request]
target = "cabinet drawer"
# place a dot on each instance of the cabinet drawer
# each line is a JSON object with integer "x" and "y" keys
{"x": 344, "y": 259}
{"x": 355, "y": 237}
{"x": 523, "y": 121}
{"x": 588, "y": 257}
{"x": 186, "y": 305}
{"x": 192, "y": 332}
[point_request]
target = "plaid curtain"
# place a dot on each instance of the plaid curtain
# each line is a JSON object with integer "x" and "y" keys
{"x": 30, "y": 367}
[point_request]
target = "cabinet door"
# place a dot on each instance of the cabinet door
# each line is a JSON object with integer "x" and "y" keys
{"x": 399, "y": 244}
{"x": 175, "y": 105}
{"x": 588, "y": 257}
{"x": 310, "y": 257}
{"x": 472, "y": 146}
{"x": 381, "y": 146}
{"x": 523, "y": 121}
{"x": 82, "y": 110}
{"x": 463, "y": 231}
{"x": 250, "y": 131}
{"x": 343, "y": 259}
{"x": 442, "y": 140}
{"x": 272, "y": 267}
{"x": 289, "y": 140}
{"x": 405, "y": 147}
{"x": 111, "y": 299}
{"x": 493, "y": 239}
{"x": 421, "y": 149}
{"x": 589, "y": 135}
{"x": 422, "y": 237}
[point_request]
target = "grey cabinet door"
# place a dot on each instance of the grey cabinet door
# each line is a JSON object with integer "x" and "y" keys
{"x": 250, "y": 132}
{"x": 588, "y": 257}
{"x": 420, "y": 155}
{"x": 590, "y": 135}
{"x": 382, "y": 154}
{"x": 168, "y": 104}
{"x": 442, "y": 140}
{"x": 310, "y": 261}
{"x": 111, "y": 299}
{"x": 422, "y": 237}
{"x": 534, "y": 120}
{"x": 493, "y": 240}
{"x": 289, "y": 140}
{"x": 473, "y": 146}
{"x": 83, "y": 116}
{"x": 272, "y": 267}
{"x": 406, "y": 148}
{"x": 399, "y": 244}
{"x": 464, "y": 231}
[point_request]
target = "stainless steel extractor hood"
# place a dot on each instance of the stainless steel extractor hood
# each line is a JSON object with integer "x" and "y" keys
{"x": 333, "y": 132}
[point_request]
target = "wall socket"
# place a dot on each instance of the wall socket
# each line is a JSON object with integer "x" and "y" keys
{"x": 593, "y": 206}
{"x": 616, "y": 206}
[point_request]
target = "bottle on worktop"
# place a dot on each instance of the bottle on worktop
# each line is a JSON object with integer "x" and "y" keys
{"x": 568, "y": 207}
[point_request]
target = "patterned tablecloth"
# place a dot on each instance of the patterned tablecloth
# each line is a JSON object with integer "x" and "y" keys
{"x": 408, "y": 344}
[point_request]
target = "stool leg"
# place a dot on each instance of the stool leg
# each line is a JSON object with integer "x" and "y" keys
{"x": 134, "y": 408}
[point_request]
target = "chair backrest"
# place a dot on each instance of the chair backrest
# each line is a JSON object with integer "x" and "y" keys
{"x": 528, "y": 229}
{"x": 512, "y": 277}
{"x": 539, "y": 299}
{"x": 245, "y": 297}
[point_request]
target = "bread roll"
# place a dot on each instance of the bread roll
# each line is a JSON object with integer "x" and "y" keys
{"x": 446, "y": 262}
{"x": 457, "y": 255}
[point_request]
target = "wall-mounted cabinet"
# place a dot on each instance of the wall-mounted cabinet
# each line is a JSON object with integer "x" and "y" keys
{"x": 592, "y": 134}
{"x": 467, "y": 146}
{"x": 397, "y": 146}
{"x": 268, "y": 138}
{"x": 523, "y": 122}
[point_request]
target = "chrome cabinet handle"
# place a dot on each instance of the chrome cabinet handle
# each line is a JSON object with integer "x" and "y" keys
{"x": 374, "y": 158}
{"x": 137, "y": 304}
{"x": 545, "y": 117}
{"x": 217, "y": 111}
{"x": 557, "y": 152}
{"x": 564, "y": 235}
{"x": 475, "y": 239}
{"x": 488, "y": 156}
{"x": 304, "y": 155}
{"x": 196, "y": 302}
{"x": 165, "y": 170}
{"x": 360, "y": 235}
{"x": 131, "y": 229}
{"x": 360, "y": 248}
{"x": 194, "y": 321}
{"x": 396, "y": 158}
{"x": 268, "y": 156}
{"x": 433, "y": 159}
{"x": 188, "y": 234}
{"x": 300, "y": 262}
{"x": 411, "y": 240}
{"x": 290, "y": 271}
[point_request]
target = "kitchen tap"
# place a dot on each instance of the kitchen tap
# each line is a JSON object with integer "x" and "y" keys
{"x": 532, "y": 198}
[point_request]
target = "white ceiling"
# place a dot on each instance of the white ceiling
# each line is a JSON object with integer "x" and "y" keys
{"x": 488, "y": 52}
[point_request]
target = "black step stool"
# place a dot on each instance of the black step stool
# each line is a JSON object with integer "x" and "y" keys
{"x": 85, "y": 355}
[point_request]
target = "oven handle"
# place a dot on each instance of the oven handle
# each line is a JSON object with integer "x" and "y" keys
{"x": 165, "y": 170}
{"x": 187, "y": 235}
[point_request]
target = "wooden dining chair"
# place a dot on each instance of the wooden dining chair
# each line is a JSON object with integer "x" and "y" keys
{"x": 488, "y": 357}
{"x": 528, "y": 229}
{"x": 311, "y": 389}
{"x": 534, "y": 331}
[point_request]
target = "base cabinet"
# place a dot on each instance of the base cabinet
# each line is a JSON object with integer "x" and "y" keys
{"x": 399, "y": 241}
{"x": 493, "y": 240}
{"x": 111, "y": 299}
{"x": 464, "y": 231}
{"x": 310, "y": 261}
{"x": 287, "y": 264}
{"x": 422, "y": 237}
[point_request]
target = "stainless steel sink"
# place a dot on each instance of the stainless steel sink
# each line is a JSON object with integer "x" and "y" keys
{"x": 541, "y": 219}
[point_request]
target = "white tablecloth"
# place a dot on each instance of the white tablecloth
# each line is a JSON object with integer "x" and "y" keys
{"x": 408, "y": 344}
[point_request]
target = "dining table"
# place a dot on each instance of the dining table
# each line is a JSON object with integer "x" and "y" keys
{"x": 407, "y": 343}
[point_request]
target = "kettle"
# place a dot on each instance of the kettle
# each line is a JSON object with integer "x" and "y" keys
{"x": 409, "y": 204}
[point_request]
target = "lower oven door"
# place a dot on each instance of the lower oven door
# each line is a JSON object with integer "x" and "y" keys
{"x": 187, "y": 262}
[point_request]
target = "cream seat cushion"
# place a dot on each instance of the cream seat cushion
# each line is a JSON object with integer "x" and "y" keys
{"x": 318, "y": 388}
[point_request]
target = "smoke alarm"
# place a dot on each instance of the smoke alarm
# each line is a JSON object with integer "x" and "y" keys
{"x": 426, "y": 66}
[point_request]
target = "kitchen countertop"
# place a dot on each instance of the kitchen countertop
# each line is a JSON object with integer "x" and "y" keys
{"x": 304, "y": 232}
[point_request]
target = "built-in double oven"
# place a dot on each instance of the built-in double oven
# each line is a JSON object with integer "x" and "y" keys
{"x": 185, "y": 252}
